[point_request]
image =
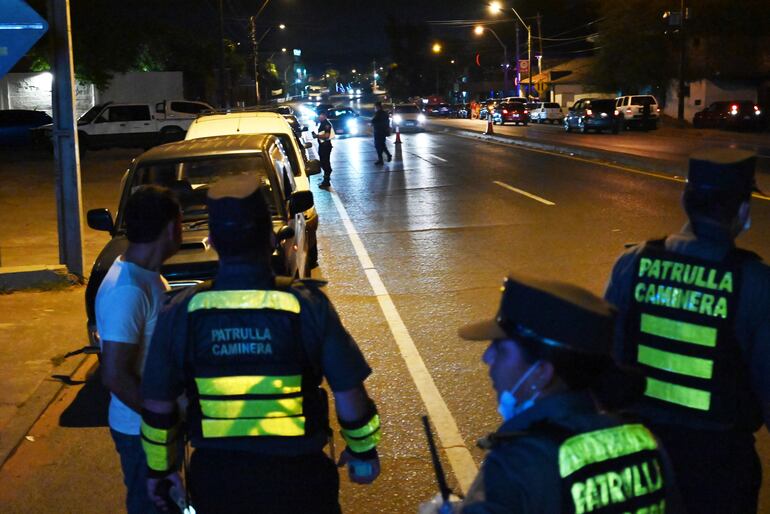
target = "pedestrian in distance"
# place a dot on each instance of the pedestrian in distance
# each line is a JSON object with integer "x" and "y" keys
{"x": 250, "y": 351}
{"x": 559, "y": 450}
{"x": 695, "y": 317}
{"x": 381, "y": 130}
{"x": 324, "y": 136}
{"x": 127, "y": 305}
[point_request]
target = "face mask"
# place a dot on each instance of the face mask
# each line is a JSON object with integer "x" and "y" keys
{"x": 508, "y": 406}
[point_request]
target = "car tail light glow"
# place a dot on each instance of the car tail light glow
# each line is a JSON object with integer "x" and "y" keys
{"x": 589, "y": 112}
{"x": 657, "y": 109}
{"x": 505, "y": 111}
{"x": 526, "y": 111}
{"x": 733, "y": 110}
{"x": 757, "y": 111}
{"x": 616, "y": 112}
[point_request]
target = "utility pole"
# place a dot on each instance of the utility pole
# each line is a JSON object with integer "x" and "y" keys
{"x": 540, "y": 44}
{"x": 255, "y": 55}
{"x": 518, "y": 71}
{"x": 682, "y": 62}
{"x": 223, "y": 102}
{"x": 529, "y": 58}
{"x": 69, "y": 200}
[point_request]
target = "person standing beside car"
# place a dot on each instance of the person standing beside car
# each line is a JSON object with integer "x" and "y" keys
{"x": 324, "y": 136}
{"x": 250, "y": 350}
{"x": 381, "y": 129}
{"x": 127, "y": 306}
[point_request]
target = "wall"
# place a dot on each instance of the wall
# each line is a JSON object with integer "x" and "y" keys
{"x": 33, "y": 91}
{"x": 144, "y": 87}
{"x": 567, "y": 94}
{"x": 704, "y": 92}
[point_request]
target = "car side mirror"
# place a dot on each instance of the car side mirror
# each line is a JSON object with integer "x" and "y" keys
{"x": 100, "y": 219}
{"x": 313, "y": 166}
{"x": 284, "y": 233}
{"x": 300, "y": 201}
{"x": 308, "y": 145}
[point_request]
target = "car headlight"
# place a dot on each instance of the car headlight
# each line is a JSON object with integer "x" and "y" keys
{"x": 351, "y": 124}
{"x": 421, "y": 118}
{"x": 398, "y": 118}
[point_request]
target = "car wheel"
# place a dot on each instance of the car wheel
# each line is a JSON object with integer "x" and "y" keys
{"x": 582, "y": 127}
{"x": 82, "y": 143}
{"x": 502, "y": 122}
{"x": 567, "y": 128}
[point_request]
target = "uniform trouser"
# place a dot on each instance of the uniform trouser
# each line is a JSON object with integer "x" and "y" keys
{"x": 379, "y": 145}
{"x": 324, "y": 155}
{"x": 716, "y": 471}
{"x": 236, "y": 482}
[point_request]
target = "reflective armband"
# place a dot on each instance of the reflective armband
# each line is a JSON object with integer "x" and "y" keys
{"x": 362, "y": 436}
{"x": 160, "y": 440}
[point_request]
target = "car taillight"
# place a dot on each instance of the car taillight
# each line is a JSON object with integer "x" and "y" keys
{"x": 628, "y": 111}
{"x": 616, "y": 112}
{"x": 733, "y": 110}
{"x": 657, "y": 109}
{"x": 505, "y": 111}
{"x": 526, "y": 111}
{"x": 757, "y": 111}
{"x": 589, "y": 112}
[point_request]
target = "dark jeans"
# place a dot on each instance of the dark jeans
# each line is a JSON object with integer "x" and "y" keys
{"x": 324, "y": 154}
{"x": 379, "y": 145}
{"x": 134, "y": 466}
{"x": 236, "y": 482}
{"x": 716, "y": 471}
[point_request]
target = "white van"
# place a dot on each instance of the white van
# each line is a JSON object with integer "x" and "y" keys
{"x": 253, "y": 122}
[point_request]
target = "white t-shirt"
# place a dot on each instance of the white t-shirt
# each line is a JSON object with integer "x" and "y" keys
{"x": 127, "y": 306}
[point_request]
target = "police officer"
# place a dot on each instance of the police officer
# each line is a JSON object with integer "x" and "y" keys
{"x": 381, "y": 130}
{"x": 324, "y": 136}
{"x": 695, "y": 317}
{"x": 556, "y": 453}
{"x": 250, "y": 351}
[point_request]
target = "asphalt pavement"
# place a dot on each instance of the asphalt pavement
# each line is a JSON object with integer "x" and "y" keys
{"x": 412, "y": 249}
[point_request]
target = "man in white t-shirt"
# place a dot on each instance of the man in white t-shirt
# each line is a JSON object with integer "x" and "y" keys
{"x": 127, "y": 306}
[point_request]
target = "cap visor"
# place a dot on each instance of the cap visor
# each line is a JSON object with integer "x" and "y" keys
{"x": 482, "y": 331}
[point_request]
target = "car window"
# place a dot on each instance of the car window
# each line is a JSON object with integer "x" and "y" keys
{"x": 578, "y": 105}
{"x": 642, "y": 100}
{"x": 190, "y": 179}
{"x": 603, "y": 105}
{"x": 121, "y": 113}
{"x": 188, "y": 107}
{"x": 407, "y": 109}
{"x": 552, "y": 105}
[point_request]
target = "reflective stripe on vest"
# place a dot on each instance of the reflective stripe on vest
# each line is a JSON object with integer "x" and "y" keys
{"x": 250, "y": 427}
{"x": 678, "y": 394}
{"x": 242, "y": 385}
{"x": 679, "y": 330}
{"x": 247, "y": 299}
{"x": 611, "y": 443}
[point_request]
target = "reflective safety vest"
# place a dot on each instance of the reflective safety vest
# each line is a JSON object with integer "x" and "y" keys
{"x": 680, "y": 331}
{"x": 612, "y": 470}
{"x": 249, "y": 368}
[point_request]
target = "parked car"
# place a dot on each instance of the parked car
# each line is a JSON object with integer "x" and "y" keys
{"x": 509, "y": 99}
{"x": 737, "y": 115}
{"x": 16, "y": 126}
{"x": 593, "y": 114}
{"x": 459, "y": 111}
{"x": 638, "y": 111}
{"x": 546, "y": 112}
{"x": 344, "y": 121}
{"x": 437, "y": 110}
{"x": 408, "y": 117}
{"x": 252, "y": 122}
{"x": 486, "y": 107}
{"x": 514, "y": 112}
{"x": 188, "y": 168}
{"x": 132, "y": 125}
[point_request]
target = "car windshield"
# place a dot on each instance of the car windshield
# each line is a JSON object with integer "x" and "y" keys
{"x": 603, "y": 105}
{"x": 91, "y": 114}
{"x": 190, "y": 180}
{"x": 552, "y": 105}
{"x": 407, "y": 109}
{"x": 336, "y": 113}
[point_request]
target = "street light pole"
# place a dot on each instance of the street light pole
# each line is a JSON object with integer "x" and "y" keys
{"x": 518, "y": 70}
{"x": 255, "y": 46}
{"x": 496, "y": 7}
{"x": 480, "y": 30}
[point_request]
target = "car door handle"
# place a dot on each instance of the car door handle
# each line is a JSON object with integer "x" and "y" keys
{"x": 146, "y": 123}
{"x": 122, "y": 124}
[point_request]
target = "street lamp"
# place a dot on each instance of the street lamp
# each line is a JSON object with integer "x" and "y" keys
{"x": 479, "y": 30}
{"x": 497, "y": 7}
{"x": 436, "y": 48}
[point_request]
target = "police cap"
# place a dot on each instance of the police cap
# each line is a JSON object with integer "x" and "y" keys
{"x": 723, "y": 169}
{"x": 238, "y": 212}
{"x": 551, "y": 313}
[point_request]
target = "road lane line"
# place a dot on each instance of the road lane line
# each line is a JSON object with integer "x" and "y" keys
{"x": 522, "y": 192}
{"x": 457, "y": 453}
{"x": 436, "y": 157}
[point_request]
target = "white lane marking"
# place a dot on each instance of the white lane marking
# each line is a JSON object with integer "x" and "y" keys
{"x": 522, "y": 192}
{"x": 459, "y": 456}
{"x": 436, "y": 157}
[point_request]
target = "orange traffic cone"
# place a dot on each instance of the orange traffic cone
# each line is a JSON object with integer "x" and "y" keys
{"x": 398, "y": 136}
{"x": 490, "y": 126}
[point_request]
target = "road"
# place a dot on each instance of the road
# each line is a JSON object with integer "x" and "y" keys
{"x": 412, "y": 250}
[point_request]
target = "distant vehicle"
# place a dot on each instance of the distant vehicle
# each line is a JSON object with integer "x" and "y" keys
{"x": 344, "y": 121}
{"x": 130, "y": 125}
{"x": 593, "y": 114}
{"x": 188, "y": 168}
{"x": 459, "y": 111}
{"x": 251, "y": 122}
{"x": 546, "y": 112}
{"x": 638, "y": 111}
{"x": 514, "y": 112}
{"x": 16, "y": 125}
{"x": 738, "y": 115}
{"x": 408, "y": 116}
{"x": 437, "y": 110}
{"x": 314, "y": 93}
{"x": 509, "y": 99}
{"x": 488, "y": 105}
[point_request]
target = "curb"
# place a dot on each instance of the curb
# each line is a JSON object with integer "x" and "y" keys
{"x": 676, "y": 170}
{"x": 47, "y": 391}
{"x": 45, "y": 276}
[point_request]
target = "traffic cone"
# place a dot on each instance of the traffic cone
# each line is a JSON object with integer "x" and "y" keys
{"x": 398, "y": 136}
{"x": 490, "y": 126}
